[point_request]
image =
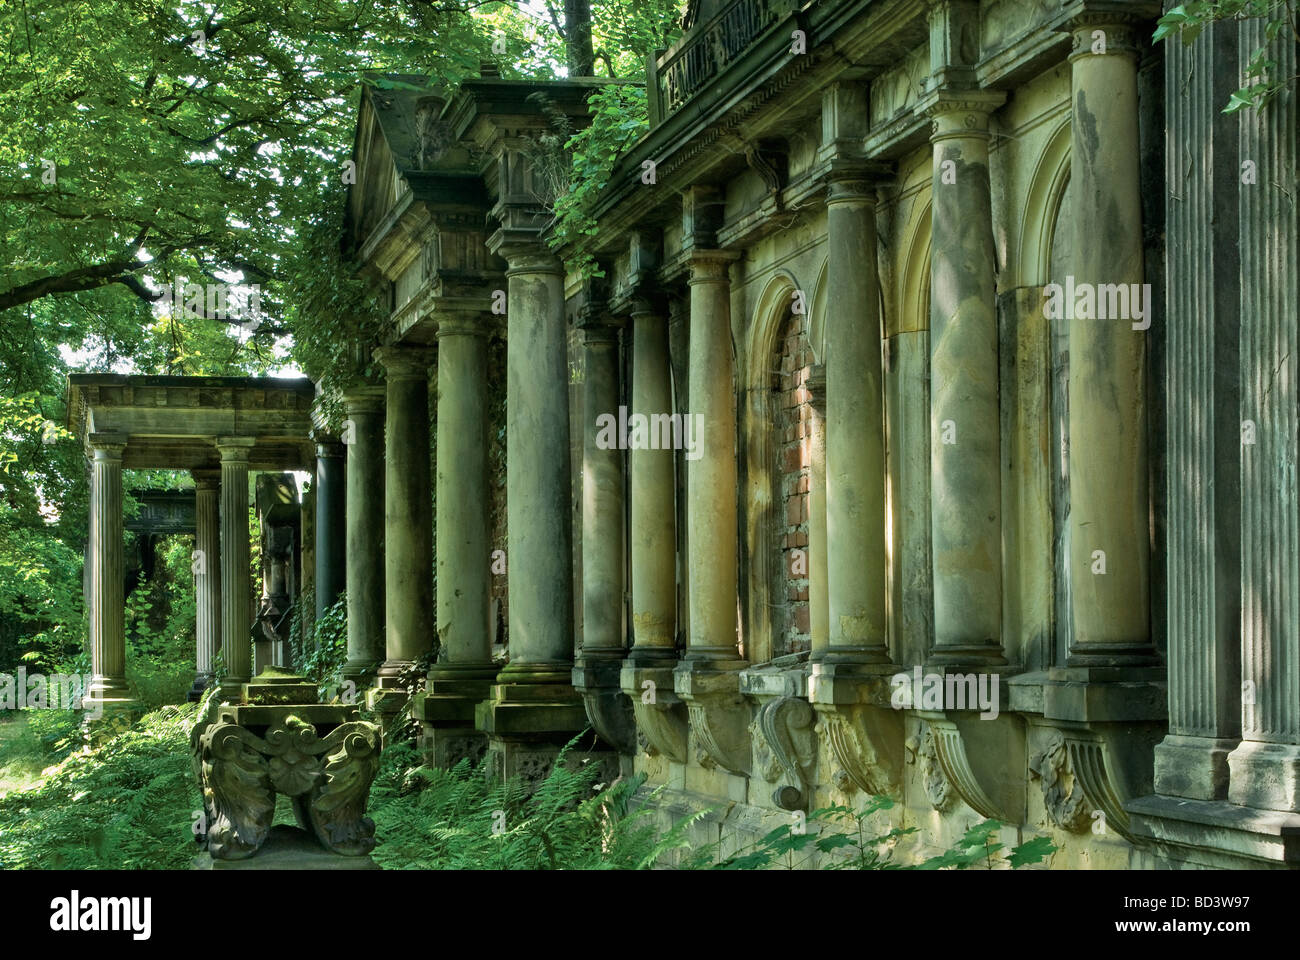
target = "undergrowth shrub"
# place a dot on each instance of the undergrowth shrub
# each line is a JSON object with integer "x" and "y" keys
{"x": 126, "y": 804}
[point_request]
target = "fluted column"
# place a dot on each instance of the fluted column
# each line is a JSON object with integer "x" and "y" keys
{"x": 711, "y": 486}
{"x": 653, "y": 511}
{"x": 855, "y": 432}
{"x": 207, "y": 576}
{"x": 408, "y": 521}
{"x": 1109, "y": 507}
{"x": 236, "y": 581}
{"x": 364, "y": 439}
{"x": 1265, "y": 768}
{"x": 107, "y": 570}
{"x": 966, "y": 505}
{"x": 1203, "y": 439}
{"x": 331, "y": 522}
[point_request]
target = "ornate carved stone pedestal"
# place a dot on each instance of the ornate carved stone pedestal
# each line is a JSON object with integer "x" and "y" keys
{"x": 279, "y": 740}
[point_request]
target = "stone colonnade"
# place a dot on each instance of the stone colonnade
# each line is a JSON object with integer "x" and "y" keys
{"x": 220, "y": 564}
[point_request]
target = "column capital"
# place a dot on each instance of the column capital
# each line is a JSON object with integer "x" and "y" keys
{"x": 854, "y": 180}
{"x": 529, "y": 257}
{"x": 207, "y": 479}
{"x": 403, "y": 361}
{"x": 643, "y": 304}
{"x": 961, "y": 113}
{"x": 106, "y": 445}
{"x": 469, "y": 323}
{"x": 327, "y": 445}
{"x": 364, "y": 398}
{"x": 711, "y": 266}
{"x": 1101, "y": 30}
{"x": 235, "y": 449}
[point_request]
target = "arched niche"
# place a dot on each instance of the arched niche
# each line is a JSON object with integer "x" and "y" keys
{"x": 764, "y": 569}
{"x": 907, "y": 449}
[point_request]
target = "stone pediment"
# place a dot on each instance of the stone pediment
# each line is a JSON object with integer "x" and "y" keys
{"x": 409, "y": 167}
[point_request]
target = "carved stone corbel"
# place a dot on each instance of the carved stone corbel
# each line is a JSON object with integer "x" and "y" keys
{"x": 659, "y": 713}
{"x": 785, "y": 749}
{"x": 921, "y": 749}
{"x": 866, "y": 744}
{"x": 1075, "y": 769}
{"x": 719, "y": 718}
{"x": 608, "y": 707}
{"x": 954, "y": 758}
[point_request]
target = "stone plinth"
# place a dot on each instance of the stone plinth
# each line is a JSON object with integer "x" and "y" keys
{"x": 288, "y": 848}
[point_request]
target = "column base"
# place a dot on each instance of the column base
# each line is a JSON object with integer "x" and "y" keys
{"x": 389, "y": 695}
{"x": 1195, "y": 768}
{"x": 972, "y": 655}
{"x": 361, "y": 672}
{"x": 528, "y": 718}
{"x": 201, "y": 683}
{"x": 1105, "y": 694}
{"x": 1265, "y": 776}
{"x": 446, "y": 714}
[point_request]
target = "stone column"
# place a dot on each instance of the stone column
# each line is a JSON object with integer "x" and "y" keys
{"x": 653, "y": 541}
{"x": 107, "y": 570}
{"x": 533, "y": 702}
{"x": 596, "y": 670}
{"x": 1109, "y": 508}
{"x": 537, "y": 484}
{"x": 1265, "y": 768}
{"x": 855, "y": 431}
{"x": 818, "y": 608}
{"x": 363, "y": 437}
{"x": 236, "y": 581}
{"x": 602, "y": 497}
{"x": 711, "y": 489}
{"x": 331, "y": 522}
{"x": 708, "y": 677}
{"x": 408, "y": 521}
{"x": 207, "y": 576}
{"x": 464, "y": 672}
{"x": 1204, "y": 433}
{"x": 966, "y": 497}
{"x": 647, "y": 676}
